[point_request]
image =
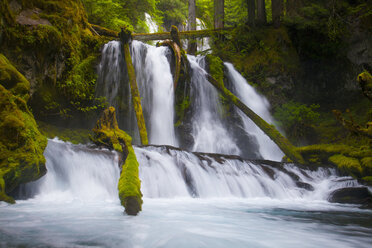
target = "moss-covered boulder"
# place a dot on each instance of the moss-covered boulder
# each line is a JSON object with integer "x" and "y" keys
{"x": 21, "y": 143}
{"x": 108, "y": 134}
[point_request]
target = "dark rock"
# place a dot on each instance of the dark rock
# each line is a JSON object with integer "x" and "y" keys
{"x": 306, "y": 186}
{"x": 354, "y": 195}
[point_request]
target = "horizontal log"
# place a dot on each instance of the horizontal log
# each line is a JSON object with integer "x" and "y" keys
{"x": 183, "y": 34}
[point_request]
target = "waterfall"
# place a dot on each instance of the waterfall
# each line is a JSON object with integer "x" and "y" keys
{"x": 113, "y": 84}
{"x": 155, "y": 83}
{"x": 209, "y": 132}
{"x": 76, "y": 173}
{"x": 79, "y": 173}
{"x": 153, "y": 27}
{"x": 167, "y": 172}
{"x": 259, "y": 104}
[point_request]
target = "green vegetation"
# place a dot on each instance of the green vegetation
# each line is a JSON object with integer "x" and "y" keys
{"x": 73, "y": 135}
{"x": 108, "y": 134}
{"x": 21, "y": 144}
{"x": 114, "y": 14}
{"x": 297, "y": 120}
{"x": 56, "y": 41}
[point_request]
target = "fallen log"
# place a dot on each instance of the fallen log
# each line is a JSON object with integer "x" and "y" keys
{"x": 288, "y": 149}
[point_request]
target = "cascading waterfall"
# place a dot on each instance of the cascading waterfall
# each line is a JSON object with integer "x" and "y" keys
{"x": 259, "y": 104}
{"x": 209, "y": 132}
{"x": 76, "y": 173}
{"x": 168, "y": 172}
{"x": 112, "y": 83}
{"x": 155, "y": 84}
{"x": 190, "y": 200}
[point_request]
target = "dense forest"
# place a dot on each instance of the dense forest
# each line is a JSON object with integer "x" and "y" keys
{"x": 311, "y": 60}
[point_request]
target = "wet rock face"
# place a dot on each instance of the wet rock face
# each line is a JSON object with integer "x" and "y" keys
{"x": 355, "y": 195}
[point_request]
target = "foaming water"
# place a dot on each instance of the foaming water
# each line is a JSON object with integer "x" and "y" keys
{"x": 259, "y": 104}
{"x": 155, "y": 84}
{"x": 75, "y": 204}
{"x": 209, "y": 132}
{"x": 76, "y": 173}
{"x": 211, "y": 175}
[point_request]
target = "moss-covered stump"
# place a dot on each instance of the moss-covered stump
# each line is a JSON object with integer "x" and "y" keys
{"x": 21, "y": 143}
{"x": 108, "y": 134}
{"x": 350, "y": 160}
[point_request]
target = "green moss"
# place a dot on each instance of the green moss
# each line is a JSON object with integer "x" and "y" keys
{"x": 181, "y": 109}
{"x": 12, "y": 80}
{"x": 215, "y": 67}
{"x": 368, "y": 180}
{"x": 21, "y": 143}
{"x": 73, "y": 135}
{"x": 64, "y": 53}
{"x": 347, "y": 164}
{"x": 129, "y": 184}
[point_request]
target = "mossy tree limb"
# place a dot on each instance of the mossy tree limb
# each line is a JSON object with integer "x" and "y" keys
{"x": 108, "y": 134}
{"x": 268, "y": 129}
{"x": 125, "y": 37}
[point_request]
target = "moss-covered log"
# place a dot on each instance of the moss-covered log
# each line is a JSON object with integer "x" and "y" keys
{"x": 104, "y": 31}
{"x": 288, "y": 149}
{"x": 21, "y": 143}
{"x": 108, "y": 134}
{"x": 125, "y": 37}
{"x": 183, "y": 35}
{"x": 177, "y": 59}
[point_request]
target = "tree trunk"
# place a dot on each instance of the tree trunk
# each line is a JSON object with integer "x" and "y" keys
{"x": 125, "y": 36}
{"x": 289, "y": 150}
{"x": 219, "y": 13}
{"x": 251, "y": 11}
{"x": 277, "y": 11}
{"x": 192, "y": 46}
{"x": 261, "y": 12}
{"x": 293, "y": 6}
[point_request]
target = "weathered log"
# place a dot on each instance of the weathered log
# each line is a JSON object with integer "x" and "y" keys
{"x": 284, "y": 144}
{"x": 177, "y": 58}
{"x": 104, "y": 31}
{"x": 125, "y": 37}
{"x": 183, "y": 35}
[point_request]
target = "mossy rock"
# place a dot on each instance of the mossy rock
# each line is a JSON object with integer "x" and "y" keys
{"x": 21, "y": 143}
{"x": 355, "y": 161}
{"x": 58, "y": 58}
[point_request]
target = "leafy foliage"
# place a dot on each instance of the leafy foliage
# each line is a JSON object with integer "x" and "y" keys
{"x": 296, "y": 119}
{"x": 114, "y": 14}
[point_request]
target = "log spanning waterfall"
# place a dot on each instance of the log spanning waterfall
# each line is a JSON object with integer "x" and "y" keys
{"x": 190, "y": 199}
